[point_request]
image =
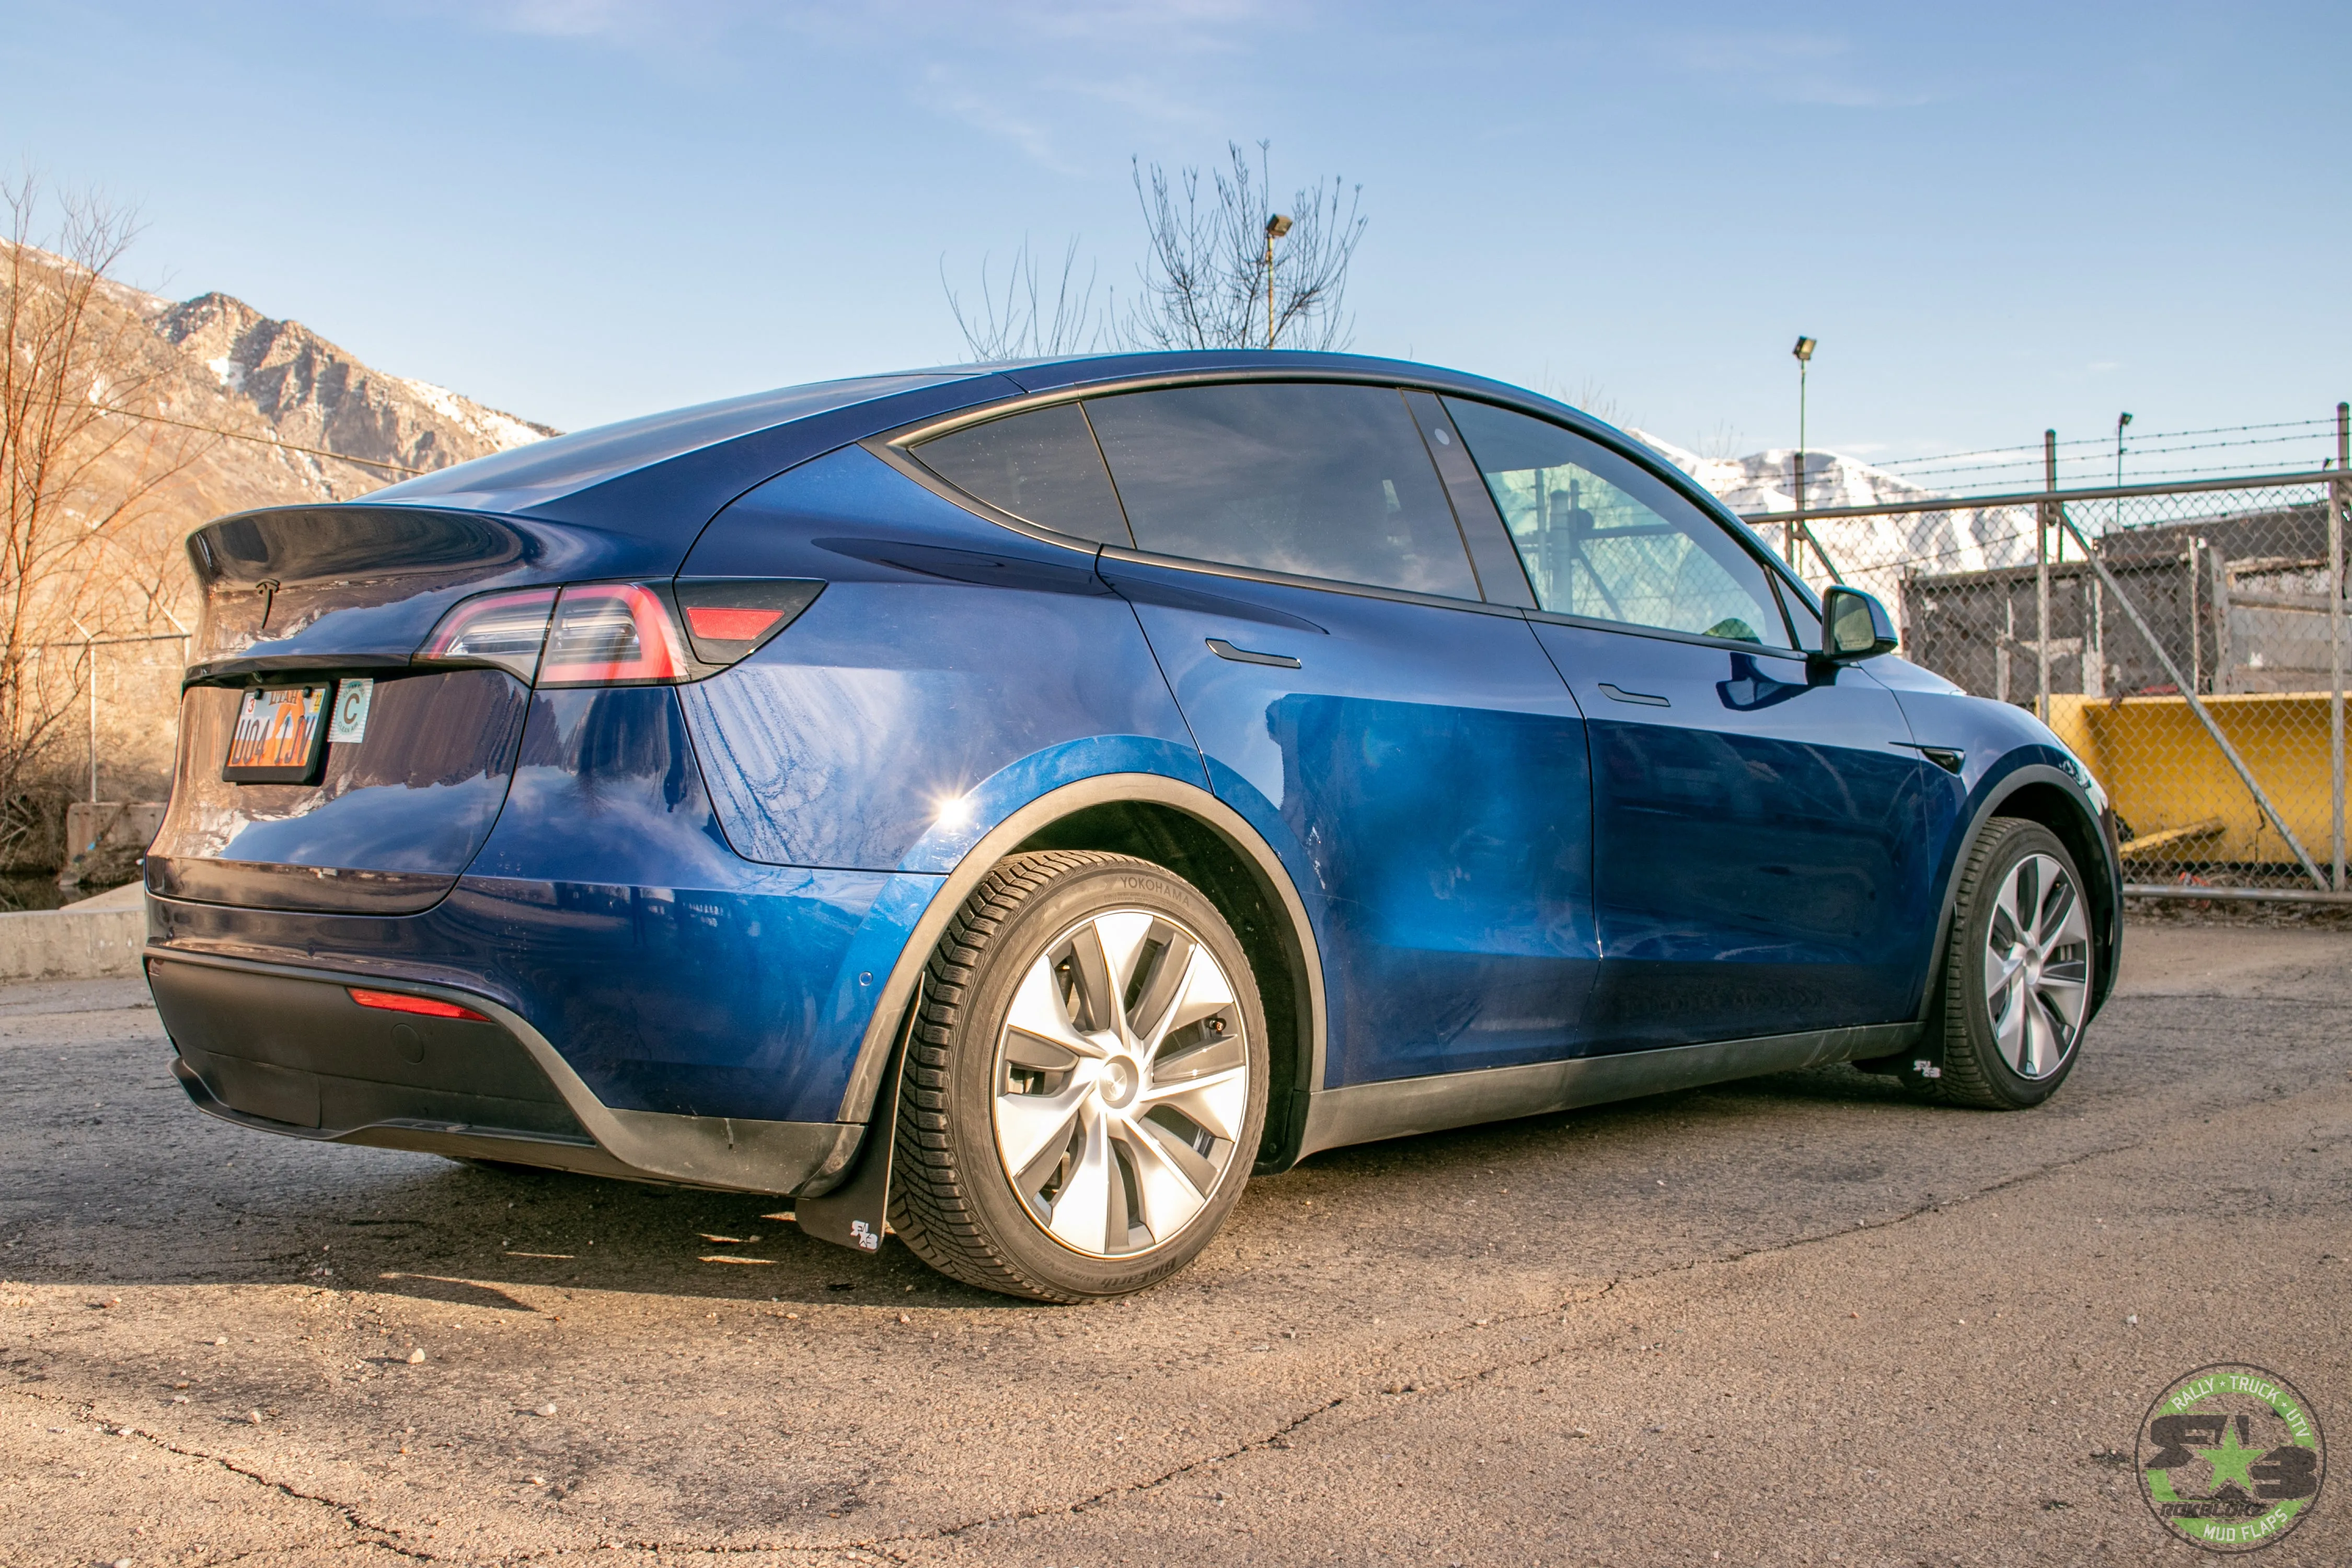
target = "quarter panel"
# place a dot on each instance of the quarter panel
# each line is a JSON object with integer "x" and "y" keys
{"x": 943, "y": 651}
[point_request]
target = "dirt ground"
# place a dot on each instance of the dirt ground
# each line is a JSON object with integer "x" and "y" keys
{"x": 1796, "y": 1319}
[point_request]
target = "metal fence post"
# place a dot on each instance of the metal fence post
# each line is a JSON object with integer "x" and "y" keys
{"x": 2338, "y": 493}
{"x": 1796, "y": 527}
{"x": 2042, "y": 522}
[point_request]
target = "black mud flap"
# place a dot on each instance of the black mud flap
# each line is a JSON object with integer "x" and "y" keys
{"x": 1918, "y": 1065}
{"x": 856, "y": 1213}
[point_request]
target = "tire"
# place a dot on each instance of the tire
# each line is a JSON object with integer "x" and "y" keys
{"x": 2017, "y": 973}
{"x": 1093, "y": 1150}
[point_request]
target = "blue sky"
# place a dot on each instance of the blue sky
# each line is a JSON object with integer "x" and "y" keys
{"x": 1994, "y": 218}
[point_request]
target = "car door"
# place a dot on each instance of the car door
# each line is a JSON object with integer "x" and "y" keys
{"x": 1761, "y": 863}
{"x": 1398, "y": 738}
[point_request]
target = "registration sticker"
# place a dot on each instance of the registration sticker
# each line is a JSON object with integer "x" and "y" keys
{"x": 279, "y": 736}
{"x": 351, "y": 698}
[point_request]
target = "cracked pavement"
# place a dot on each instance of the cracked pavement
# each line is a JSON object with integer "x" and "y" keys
{"x": 1795, "y": 1320}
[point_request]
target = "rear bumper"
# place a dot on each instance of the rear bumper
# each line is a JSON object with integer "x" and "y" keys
{"x": 284, "y": 1048}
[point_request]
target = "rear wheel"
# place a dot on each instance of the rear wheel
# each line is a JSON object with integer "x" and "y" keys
{"x": 1085, "y": 1084}
{"x": 2017, "y": 975}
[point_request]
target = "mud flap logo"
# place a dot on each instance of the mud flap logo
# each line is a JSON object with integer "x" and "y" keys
{"x": 867, "y": 1238}
{"x": 2231, "y": 1458}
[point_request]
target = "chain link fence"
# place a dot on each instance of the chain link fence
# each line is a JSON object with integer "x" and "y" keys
{"x": 2188, "y": 642}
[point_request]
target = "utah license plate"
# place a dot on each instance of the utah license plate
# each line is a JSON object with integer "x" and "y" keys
{"x": 279, "y": 734}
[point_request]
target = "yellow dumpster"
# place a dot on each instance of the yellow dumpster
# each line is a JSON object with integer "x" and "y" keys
{"x": 2185, "y": 804}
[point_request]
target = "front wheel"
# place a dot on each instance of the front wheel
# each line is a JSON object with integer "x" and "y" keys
{"x": 1086, "y": 1082}
{"x": 2017, "y": 975}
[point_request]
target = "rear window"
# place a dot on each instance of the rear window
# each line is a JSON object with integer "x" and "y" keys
{"x": 1318, "y": 481}
{"x": 1042, "y": 466}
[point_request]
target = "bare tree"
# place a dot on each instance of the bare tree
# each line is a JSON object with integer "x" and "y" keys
{"x": 1590, "y": 396}
{"x": 1222, "y": 270}
{"x": 1225, "y": 272}
{"x": 1025, "y": 321}
{"x": 81, "y": 453}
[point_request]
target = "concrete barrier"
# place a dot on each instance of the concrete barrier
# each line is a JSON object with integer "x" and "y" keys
{"x": 96, "y": 938}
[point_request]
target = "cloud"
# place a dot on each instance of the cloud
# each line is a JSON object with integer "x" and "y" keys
{"x": 945, "y": 94}
{"x": 1049, "y": 77}
{"x": 1790, "y": 67}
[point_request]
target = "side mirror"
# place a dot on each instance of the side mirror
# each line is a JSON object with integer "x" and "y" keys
{"x": 1855, "y": 626}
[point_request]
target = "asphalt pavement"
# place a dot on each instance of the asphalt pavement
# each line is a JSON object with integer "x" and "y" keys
{"x": 1798, "y": 1320}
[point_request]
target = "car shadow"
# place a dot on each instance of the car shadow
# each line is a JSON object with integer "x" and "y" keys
{"x": 514, "y": 1239}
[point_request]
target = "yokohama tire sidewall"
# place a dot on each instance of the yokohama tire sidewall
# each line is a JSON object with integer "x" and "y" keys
{"x": 2025, "y": 838}
{"x": 1129, "y": 884}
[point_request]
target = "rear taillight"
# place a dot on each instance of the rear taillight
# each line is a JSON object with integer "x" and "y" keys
{"x": 612, "y": 634}
{"x": 618, "y": 633}
{"x": 728, "y": 619}
{"x": 502, "y": 629}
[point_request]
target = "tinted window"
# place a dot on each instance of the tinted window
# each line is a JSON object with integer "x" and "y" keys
{"x": 1042, "y": 466}
{"x": 1325, "y": 481}
{"x": 1605, "y": 538}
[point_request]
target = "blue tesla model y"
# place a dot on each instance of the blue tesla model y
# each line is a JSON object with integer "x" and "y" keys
{"x": 1009, "y": 806}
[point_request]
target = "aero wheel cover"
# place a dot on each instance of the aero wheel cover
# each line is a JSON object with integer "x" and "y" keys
{"x": 1121, "y": 1084}
{"x": 2037, "y": 968}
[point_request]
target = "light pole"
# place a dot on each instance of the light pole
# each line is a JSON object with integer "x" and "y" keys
{"x": 1276, "y": 228}
{"x": 1804, "y": 353}
{"x": 2121, "y": 421}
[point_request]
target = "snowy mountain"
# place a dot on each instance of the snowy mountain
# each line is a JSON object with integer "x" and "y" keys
{"x": 1766, "y": 481}
{"x": 311, "y": 392}
{"x": 1874, "y": 553}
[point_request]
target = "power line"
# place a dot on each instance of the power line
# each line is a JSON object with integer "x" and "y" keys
{"x": 264, "y": 440}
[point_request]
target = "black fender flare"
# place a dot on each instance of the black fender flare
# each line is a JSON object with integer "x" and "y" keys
{"x": 878, "y": 1049}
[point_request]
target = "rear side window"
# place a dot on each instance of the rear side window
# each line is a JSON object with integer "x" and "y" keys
{"x": 1320, "y": 480}
{"x": 1604, "y": 537}
{"x": 1042, "y": 466}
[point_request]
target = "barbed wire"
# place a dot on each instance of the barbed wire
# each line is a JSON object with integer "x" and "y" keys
{"x": 2152, "y": 449}
{"x": 2032, "y": 452}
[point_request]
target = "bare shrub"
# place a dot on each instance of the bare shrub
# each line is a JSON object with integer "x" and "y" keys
{"x": 1212, "y": 281}
{"x": 1219, "y": 272}
{"x": 1026, "y": 322}
{"x": 86, "y": 562}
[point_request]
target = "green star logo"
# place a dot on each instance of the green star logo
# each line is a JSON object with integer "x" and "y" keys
{"x": 2232, "y": 1463}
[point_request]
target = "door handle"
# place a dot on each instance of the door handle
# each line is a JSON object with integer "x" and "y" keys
{"x": 1224, "y": 650}
{"x": 1618, "y": 694}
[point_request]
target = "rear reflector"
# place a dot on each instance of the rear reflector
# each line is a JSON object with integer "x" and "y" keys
{"x": 612, "y": 634}
{"x": 502, "y": 629}
{"x": 425, "y": 1006}
{"x": 715, "y": 623}
{"x": 729, "y": 618}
